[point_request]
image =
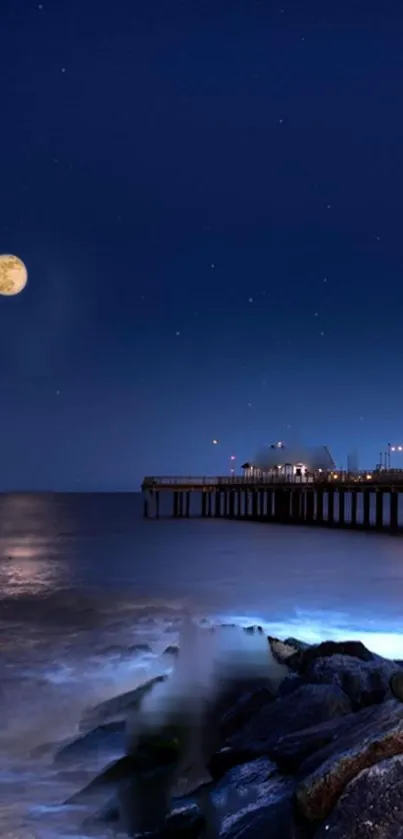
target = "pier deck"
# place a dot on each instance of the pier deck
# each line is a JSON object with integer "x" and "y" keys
{"x": 368, "y": 501}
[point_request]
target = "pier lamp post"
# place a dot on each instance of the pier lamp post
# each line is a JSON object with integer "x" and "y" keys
{"x": 393, "y": 449}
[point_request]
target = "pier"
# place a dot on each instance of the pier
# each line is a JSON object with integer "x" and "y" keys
{"x": 366, "y": 502}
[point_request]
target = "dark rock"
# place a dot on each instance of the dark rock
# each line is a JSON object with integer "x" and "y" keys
{"x": 184, "y": 822}
{"x": 354, "y": 649}
{"x": 154, "y": 756}
{"x": 104, "y": 738}
{"x": 283, "y": 651}
{"x": 243, "y": 706}
{"x": 119, "y": 706}
{"x": 299, "y": 645}
{"x": 109, "y": 813}
{"x": 225, "y": 759}
{"x": 364, "y": 682}
{"x": 253, "y": 801}
{"x": 253, "y": 630}
{"x": 293, "y": 749}
{"x": 307, "y": 706}
{"x": 396, "y": 685}
{"x": 172, "y": 649}
{"x": 376, "y": 736}
{"x": 139, "y": 648}
{"x": 110, "y": 777}
{"x": 371, "y": 806}
{"x": 144, "y": 800}
{"x": 290, "y": 684}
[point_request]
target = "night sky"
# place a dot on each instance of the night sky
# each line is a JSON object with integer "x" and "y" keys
{"x": 208, "y": 197}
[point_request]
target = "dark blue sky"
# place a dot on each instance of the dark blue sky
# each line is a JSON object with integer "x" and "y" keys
{"x": 209, "y": 200}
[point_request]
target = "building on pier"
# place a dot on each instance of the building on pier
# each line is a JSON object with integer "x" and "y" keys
{"x": 280, "y": 460}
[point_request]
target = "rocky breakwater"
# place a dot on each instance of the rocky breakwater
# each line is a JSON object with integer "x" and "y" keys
{"x": 313, "y": 747}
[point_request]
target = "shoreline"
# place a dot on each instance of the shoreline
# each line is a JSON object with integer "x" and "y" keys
{"x": 287, "y": 763}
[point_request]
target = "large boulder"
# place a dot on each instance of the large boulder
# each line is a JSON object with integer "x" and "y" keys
{"x": 101, "y": 740}
{"x": 238, "y": 704}
{"x": 253, "y": 801}
{"x": 364, "y": 682}
{"x": 293, "y": 749}
{"x": 327, "y": 649}
{"x": 371, "y": 806}
{"x": 118, "y": 707}
{"x": 376, "y": 735}
{"x": 308, "y": 705}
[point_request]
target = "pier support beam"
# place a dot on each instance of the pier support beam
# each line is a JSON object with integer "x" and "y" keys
{"x": 354, "y": 520}
{"x": 366, "y": 500}
{"x": 330, "y": 506}
{"x": 319, "y": 505}
{"x": 379, "y": 509}
{"x": 342, "y": 507}
{"x": 204, "y": 504}
{"x": 309, "y": 506}
{"x": 394, "y": 511}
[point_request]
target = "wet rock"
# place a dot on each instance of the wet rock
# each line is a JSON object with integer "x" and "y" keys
{"x": 109, "y": 813}
{"x": 254, "y": 801}
{"x": 293, "y": 749}
{"x": 371, "y": 806}
{"x": 297, "y": 643}
{"x": 154, "y": 755}
{"x": 184, "y": 822}
{"x": 171, "y": 650}
{"x": 354, "y": 649}
{"x": 119, "y": 706}
{"x": 225, "y": 759}
{"x": 240, "y": 705}
{"x": 364, "y": 682}
{"x": 291, "y": 683}
{"x": 115, "y": 772}
{"x": 102, "y": 739}
{"x": 376, "y": 736}
{"x": 253, "y": 630}
{"x": 284, "y": 652}
{"x": 307, "y": 706}
{"x": 396, "y": 685}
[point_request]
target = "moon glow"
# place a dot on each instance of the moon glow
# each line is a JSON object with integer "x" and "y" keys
{"x": 13, "y": 275}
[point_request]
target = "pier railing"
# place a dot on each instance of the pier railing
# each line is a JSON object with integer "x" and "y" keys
{"x": 387, "y": 476}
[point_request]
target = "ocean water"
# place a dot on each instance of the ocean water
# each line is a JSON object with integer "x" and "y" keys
{"x": 83, "y": 580}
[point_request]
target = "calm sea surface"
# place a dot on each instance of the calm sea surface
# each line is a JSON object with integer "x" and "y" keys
{"x": 83, "y": 579}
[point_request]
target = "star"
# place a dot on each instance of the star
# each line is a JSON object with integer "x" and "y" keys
{"x": 63, "y": 70}
{"x": 322, "y": 334}
{"x": 212, "y": 265}
{"x": 177, "y": 334}
{"x": 250, "y": 300}
{"x": 316, "y": 314}
{"x": 325, "y": 279}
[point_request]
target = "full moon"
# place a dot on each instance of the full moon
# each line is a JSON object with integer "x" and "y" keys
{"x": 13, "y": 275}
